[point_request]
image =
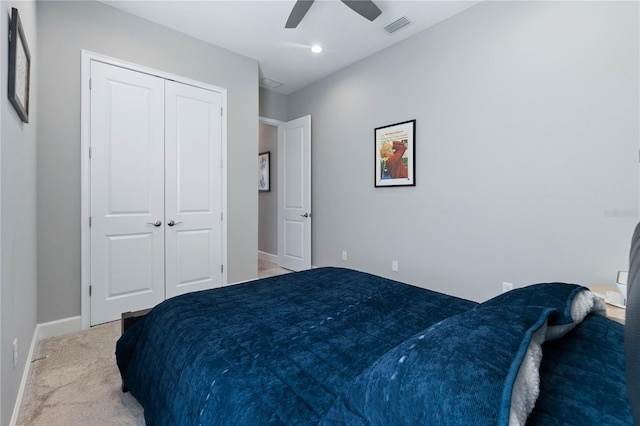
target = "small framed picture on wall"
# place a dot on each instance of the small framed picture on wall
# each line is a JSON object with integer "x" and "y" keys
{"x": 19, "y": 67}
{"x": 394, "y": 158}
{"x": 264, "y": 171}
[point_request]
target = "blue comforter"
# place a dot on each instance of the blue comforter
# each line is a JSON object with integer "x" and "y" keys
{"x": 332, "y": 346}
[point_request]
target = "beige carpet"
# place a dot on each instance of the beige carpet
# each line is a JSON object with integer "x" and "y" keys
{"x": 269, "y": 269}
{"x": 74, "y": 379}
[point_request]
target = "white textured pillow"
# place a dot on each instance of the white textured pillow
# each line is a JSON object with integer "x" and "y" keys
{"x": 584, "y": 303}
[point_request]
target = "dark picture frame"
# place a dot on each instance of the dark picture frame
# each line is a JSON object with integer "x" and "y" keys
{"x": 264, "y": 171}
{"x": 19, "y": 67}
{"x": 395, "y": 154}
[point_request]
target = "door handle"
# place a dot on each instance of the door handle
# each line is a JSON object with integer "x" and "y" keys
{"x": 156, "y": 223}
{"x": 172, "y": 223}
{"x": 306, "y": 215}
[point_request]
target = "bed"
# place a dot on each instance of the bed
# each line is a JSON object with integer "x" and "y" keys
{"x": 334, "y": 346}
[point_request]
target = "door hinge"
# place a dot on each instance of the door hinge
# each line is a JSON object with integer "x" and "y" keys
{"x": 222, "y": 268}
{"x": 89, "y": 152}
{"x": 89, "y": 221}
{"x": 90, "y": 290}
{"x": 90, "y": 81}
{"x": 221, "y": 216}
{"x": 221, "y": 112}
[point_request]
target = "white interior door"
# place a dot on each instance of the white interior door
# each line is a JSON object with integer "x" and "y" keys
{"x": 127, "y": 191}
{"x": 193, "y": 186}
{"x": 294, "y": 194}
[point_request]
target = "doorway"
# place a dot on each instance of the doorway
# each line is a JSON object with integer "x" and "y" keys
{"x": 268, "y": 202}
{"x": 285, "y": 230}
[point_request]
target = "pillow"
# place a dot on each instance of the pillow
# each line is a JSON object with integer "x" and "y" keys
{"x": 479, "y": 367}
{"x": 571, "y": 304}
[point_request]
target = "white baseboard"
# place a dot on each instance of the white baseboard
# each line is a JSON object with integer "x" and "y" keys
{"x": 267, "y": 257}
{"x": 42, "y": 331}
{"x": 25, "y": 378}
{"x": 59, "y": 327}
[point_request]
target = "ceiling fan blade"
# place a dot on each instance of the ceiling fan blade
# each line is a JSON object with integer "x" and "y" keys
{"x": 365, "y": 8}
{"x": 299, "y": 10}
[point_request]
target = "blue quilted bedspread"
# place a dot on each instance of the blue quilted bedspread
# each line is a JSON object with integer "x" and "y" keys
{"x": 281, "y": 348}
{"x": 334, "y": 346}
{"x": 582, "y": 378}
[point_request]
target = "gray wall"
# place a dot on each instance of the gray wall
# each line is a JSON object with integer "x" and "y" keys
{"x": 527, "y": 149}
{"x": 268, "y": 201}
{"x": 273, "y": 105}
{"x": 18, "y": 277}
{"x": 67, "y": 27}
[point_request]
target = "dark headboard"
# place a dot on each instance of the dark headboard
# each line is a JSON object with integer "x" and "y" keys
{"x": 632, "y": 326}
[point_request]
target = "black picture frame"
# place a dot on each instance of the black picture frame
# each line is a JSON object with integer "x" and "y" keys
{"x": 19, "y": 67}
{"x": 264, "y": 171}
{"x": 395, "y": 155}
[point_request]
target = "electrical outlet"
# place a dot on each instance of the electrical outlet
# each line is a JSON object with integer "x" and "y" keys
{"x": 15, "y": 352}
{"x": 394, "y": 265}
{"x": 506, "y": 286}
{"x": 344, "y": 255}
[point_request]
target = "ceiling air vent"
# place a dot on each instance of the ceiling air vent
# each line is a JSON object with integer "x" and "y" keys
{"x": 396, "y": 25}
{"x": 269, "y": 83}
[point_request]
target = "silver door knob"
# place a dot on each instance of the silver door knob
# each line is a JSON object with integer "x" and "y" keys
{"x": 306, "y": 215}
{"x": 156, "y": 223}
{"x": 171, "y": 223}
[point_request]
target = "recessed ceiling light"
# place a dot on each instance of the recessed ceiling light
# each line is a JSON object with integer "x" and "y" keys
{"x": 316, "y": 48}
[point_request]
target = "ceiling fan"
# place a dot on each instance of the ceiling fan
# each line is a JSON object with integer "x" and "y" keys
{"x": 365, "y": 8}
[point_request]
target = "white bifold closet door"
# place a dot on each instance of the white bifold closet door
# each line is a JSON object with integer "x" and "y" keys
{"x": 156, "y": 190}
{"x": 193, "y": 189}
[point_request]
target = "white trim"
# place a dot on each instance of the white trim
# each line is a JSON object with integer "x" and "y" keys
{"x": 89, "y": 56}
{"x": 25, "y": 378}
{"x": 85, "y": 173}
{"x": 41, "y": 332}
{"x": 225, "y": 269}
{"x": 270, "y": 121}
{"x": 268, "y": 257}
{"x": 58, "y": 328}
{"x": 85, "y": 190}
{"x": 2, "y": 49}
{"x": 1, "y": 375}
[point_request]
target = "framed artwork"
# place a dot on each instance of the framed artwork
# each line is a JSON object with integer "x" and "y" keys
{"x": 264, "y": 171}
{"x": 395, "y": 154}
{"x": 19, "y": 67}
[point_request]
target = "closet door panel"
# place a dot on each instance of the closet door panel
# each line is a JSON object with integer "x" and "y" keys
{"x": 127, "y": 191}
{"x": 193, "y": 188}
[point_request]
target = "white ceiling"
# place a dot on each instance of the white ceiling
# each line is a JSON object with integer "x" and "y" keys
{"x": 256, "y": 29}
